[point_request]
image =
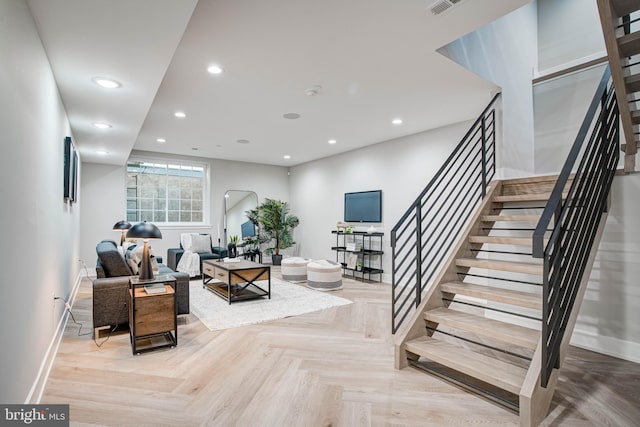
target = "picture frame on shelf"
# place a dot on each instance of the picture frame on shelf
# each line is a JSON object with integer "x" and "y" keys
{"x": 352, "y": 261}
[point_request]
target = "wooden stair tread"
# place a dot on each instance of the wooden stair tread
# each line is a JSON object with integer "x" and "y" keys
{"x": 497, "y": 218}
{"x": 533, "y": 197}
{"x": 491, "y": 293}
{"x": 635, "y": 117}
{"x": 514, "y": 267}
{"x": 485, "y": 368}
{"x": 502, "y": 331}
{"x": 502, "y": 240}
{"x": 629, "y": 44}
{"x": 632, "y": 83}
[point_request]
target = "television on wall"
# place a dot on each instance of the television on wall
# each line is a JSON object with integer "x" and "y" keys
{"x": 363, "y": 206}
{"x": 70, "y": 171}
{"x": 248, "y": 229}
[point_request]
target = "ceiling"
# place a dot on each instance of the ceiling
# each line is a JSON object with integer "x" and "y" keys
{"x": 369, "y": 61}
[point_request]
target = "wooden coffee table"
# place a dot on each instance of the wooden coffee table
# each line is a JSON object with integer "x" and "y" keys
{"x": 235, "y": 281}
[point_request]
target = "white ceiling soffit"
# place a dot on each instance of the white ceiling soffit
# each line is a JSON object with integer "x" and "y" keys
{"x": 129, "y": 41}
{"x": 374, "y": 60}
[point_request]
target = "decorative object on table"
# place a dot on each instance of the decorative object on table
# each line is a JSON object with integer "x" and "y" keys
{"x": 145, "y": 231}
{"x": 348, "y": 230}
{"x": 277, "y": 225}
{"x": 232, "y": 247}
{"x": 340, "y": 226}
{"x": 371, "y": 230}
{"x": 122, "y": 226}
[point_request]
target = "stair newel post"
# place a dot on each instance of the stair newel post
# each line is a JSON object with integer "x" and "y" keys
{"x": 418, "y": 254}
{"x": 483, "y": 128}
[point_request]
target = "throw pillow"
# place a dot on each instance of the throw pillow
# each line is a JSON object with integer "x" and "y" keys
{"x": 134, "y": 258}
{"x": 200, "y": 243}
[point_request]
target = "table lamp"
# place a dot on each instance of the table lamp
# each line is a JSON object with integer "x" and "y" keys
{"x": 122, "y": 226}
{"x": 145, "y": 231}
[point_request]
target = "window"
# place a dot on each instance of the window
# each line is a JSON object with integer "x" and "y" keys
{"x": 163, "y": 192}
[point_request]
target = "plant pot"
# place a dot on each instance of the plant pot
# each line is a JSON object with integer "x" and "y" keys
{"x": 232, "y": 250}
{"x": 276, "y": 259}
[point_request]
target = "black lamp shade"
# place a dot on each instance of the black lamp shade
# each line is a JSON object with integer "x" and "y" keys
{"x": 144, "y": 230}
{"x": 121, "y": 225}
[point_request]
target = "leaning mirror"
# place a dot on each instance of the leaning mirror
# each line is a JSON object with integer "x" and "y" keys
{"x": 236, "y": 203}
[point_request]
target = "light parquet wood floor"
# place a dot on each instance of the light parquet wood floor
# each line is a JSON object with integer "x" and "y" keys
{"x": 328, "y": 368}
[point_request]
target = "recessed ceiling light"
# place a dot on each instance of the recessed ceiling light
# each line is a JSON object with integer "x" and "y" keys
{"x": 106, "y": 83}
{"x": 161, "y": 140}
{"x": 243, "y": 141}
{"x": 291, "y": 116}
{"x": 102, "y": 152}
{"x": 214, "y": 69}
{"x": 195, "y": 148}
{"x": 286, "y": 156}
{"x": 332, "y": 141}
{"x": 101, "y": 125}
{"x": 396, "y": 121}
{"x": 180, "y": 114}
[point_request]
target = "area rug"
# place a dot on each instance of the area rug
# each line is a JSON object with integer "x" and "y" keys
{"x": 287, "y": 299}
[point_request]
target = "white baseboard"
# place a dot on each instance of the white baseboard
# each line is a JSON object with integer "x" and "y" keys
{"x": 615, "y": 347}
{"x": 37, "y": 389}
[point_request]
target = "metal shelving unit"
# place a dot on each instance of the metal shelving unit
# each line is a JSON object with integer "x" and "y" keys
{"x": 368, "y": 254}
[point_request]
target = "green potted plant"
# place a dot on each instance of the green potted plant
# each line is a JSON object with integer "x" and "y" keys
{"x": 277, "y": 224}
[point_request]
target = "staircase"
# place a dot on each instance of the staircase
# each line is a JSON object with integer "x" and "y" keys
{"x": 620, "y": 21}
{"x": 480, "y": 325}
{"x": 489, "y": 276}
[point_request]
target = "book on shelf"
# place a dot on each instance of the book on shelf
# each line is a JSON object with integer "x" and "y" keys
{"x": 157, "y": 288}
{"x": 352, "y": 261}
{"x": 354, "y": 247}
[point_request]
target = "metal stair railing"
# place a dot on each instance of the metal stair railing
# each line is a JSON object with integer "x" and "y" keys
{"x": 593, "y": 160}
{"x": 427, "y": 231}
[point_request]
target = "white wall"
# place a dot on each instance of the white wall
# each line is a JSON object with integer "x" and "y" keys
{"x": 401, "y": 168}
{"x": 609, "y": 320}
{"x": 40, "y": 242}
{"x": 104, "y": 205}
{"x": 559, "y": 108}
{"x": 569, "y": 32}
{"x": 505, "y": 53}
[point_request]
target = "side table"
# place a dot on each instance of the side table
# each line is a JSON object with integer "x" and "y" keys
{"x": 153, "y": 322}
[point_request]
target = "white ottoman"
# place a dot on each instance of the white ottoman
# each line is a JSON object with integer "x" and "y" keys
{"x": 324, "y": 275}
{"x": 294, "y": 269}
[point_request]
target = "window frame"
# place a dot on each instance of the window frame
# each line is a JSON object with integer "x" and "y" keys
{"x": 180, "y": 162}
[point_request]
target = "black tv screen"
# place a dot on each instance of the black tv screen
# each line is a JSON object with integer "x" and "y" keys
{"x": 363, "y": 206}
{"x": 248, "y": 229}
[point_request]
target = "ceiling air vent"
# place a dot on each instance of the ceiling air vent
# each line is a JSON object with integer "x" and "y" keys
{"x": 442, "y": 6}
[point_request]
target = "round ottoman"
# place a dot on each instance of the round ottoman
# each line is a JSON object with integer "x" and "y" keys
{"x": 324, "y": 275}
{"x": 294, "y": 269}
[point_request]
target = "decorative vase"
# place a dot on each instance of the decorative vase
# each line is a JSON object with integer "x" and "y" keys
{"x": 232, "y": 250}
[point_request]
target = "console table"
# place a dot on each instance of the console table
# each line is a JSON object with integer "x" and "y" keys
{"x": 236, "y": 281}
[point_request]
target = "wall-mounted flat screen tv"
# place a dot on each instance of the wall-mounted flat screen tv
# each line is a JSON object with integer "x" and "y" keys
{"x": 248, "y": 229}
{"x": 363, "y": 206}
